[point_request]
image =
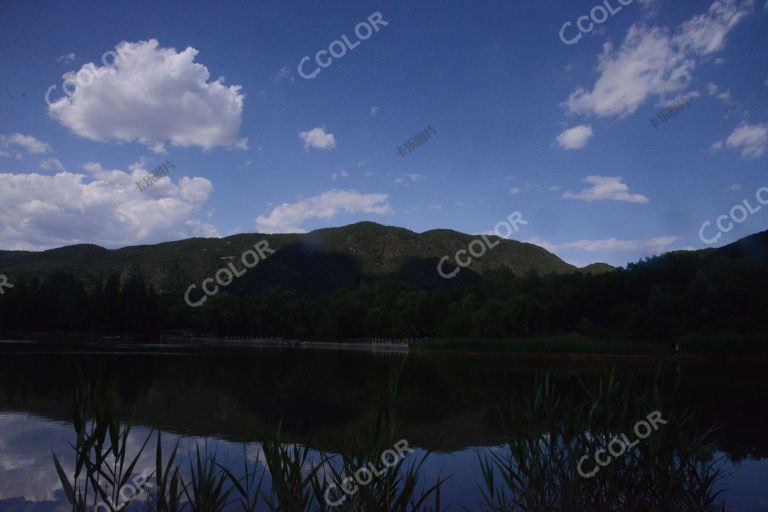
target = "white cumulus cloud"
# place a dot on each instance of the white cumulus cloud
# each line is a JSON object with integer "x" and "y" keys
{"x": 152, "y": 95}
{"x": 288, "y": 217}
{"x": 318, "y": 138}
{"x": 101, "y": 206}
{"x": 606, "y": 188}
{"x": 576, "y": 137}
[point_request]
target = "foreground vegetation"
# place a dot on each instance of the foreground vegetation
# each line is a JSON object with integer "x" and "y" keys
{"x": 550, "y": 431}
{"x": 298, "y": 481}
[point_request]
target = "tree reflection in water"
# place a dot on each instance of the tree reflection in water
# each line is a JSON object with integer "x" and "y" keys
{"x": 552, "y": 429}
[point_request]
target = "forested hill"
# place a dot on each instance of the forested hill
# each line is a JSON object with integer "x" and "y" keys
{"x": 331, "y": 257}
{"x": 367, "y": 280}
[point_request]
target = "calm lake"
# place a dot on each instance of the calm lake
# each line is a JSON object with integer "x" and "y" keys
{"x": 460, "y": 407}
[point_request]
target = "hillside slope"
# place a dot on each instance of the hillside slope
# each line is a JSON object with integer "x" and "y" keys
{"x": 340, "y": 256}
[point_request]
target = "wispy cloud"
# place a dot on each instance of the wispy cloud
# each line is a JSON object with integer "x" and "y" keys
{"x": 28, "y": 143}
{"x": 611, "y": 245}
{"x": 285, "y": 73}
{"x": 288, "y": 217}
{"x": 656, "y": 61}
{"x": 341, "y": 174}
{"x": 67, "y": 58}
{"x": 52, "y": 164}
{"x": 407, "y": 178}
{"x": 714, "y": 90}
{"x": 750, "y": 139}
{"x": 606, "y": 188}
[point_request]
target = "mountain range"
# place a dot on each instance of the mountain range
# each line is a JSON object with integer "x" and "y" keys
{"x": 317, "y": 260}
{"x": 369, "y": 280}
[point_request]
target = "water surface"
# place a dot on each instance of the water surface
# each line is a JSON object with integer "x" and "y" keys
{"x": 454, "y": 405}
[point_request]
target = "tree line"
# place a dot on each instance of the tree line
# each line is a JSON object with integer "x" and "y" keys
{"x": 659, "y": 298}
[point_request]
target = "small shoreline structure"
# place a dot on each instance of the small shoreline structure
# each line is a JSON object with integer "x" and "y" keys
{"x": 183, "y": 339}
{"x": 574, "y": 348}
{"x": 372, "y": 344}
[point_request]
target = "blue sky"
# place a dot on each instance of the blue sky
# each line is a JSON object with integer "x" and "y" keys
{"x": 523, "y": 121}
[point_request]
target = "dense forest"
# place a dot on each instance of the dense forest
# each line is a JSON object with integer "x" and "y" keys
{"x": 698, "y": 292}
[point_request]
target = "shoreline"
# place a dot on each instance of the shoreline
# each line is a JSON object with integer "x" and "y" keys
{"x": 597, "y": 357}
{"x": 210, "y": 343}
{"x": 379, "y": 347}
